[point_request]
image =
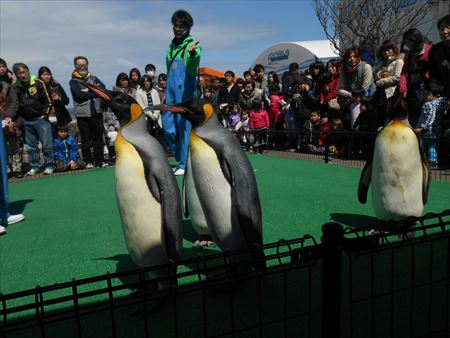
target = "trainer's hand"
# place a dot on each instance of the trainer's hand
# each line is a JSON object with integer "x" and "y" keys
{"x": 193, "y": 47}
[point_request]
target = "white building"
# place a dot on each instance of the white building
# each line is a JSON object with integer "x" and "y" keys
{"x": 278, "y": 57}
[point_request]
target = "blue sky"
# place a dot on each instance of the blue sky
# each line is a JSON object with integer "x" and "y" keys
{"x": 119, "y": 35}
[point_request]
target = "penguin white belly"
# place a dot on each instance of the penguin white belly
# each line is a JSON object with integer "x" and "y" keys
{"x": 397, "y": 176}
{"x": 214, "y": 193}
{"x": 198, "y": 219}
{"x": 141, "y": 213}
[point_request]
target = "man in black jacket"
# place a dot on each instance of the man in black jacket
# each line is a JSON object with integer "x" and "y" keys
{"x": 228, "y": 93}
{"x": 34, "y": 108}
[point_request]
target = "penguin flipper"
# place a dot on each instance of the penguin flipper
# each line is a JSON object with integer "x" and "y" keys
{"x": 185, "y": 203}
{"x": 364, "y": 182}
{"x": 244, "y": 192}
{"x": 171, "y": 213}
{"x": 426, "y": 182}
{"x": 425, "y": 172}
{"x": 152, "y": 185}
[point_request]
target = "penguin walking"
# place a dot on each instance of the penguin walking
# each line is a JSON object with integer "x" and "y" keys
{"x": 223, "y": 179}
{"x": 147, "y": 192}
{"x": 398, "y": 171}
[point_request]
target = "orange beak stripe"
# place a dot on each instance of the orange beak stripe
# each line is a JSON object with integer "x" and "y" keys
{"x": 100, "y": 94}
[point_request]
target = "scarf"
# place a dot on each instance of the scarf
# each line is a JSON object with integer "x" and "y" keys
{"x": 77, "y": 75}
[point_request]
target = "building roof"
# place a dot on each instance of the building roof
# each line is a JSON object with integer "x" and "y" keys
{"x": 279, "y": 56}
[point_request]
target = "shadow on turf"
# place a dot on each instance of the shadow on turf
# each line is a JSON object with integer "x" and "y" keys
{"x": 125, "y": 263}
{"x": 353, "y": 220}
{"x": 17, "y": 207}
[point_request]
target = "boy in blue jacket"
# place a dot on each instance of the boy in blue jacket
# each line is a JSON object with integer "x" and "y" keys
{"x": 65, "y": 147}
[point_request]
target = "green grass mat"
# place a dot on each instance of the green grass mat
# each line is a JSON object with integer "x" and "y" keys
{"x": 73, "y": 230}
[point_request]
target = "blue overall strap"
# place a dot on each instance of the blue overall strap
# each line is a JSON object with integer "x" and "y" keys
{"x": 4, "y": 208}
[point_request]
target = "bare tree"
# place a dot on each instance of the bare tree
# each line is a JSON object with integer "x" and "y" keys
{"x": 357, "y": 22}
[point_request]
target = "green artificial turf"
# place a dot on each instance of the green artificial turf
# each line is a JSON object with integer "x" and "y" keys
{"x": 73, "y": 230}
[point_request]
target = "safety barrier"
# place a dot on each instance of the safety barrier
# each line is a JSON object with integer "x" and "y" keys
{"x": 390, "y": 279}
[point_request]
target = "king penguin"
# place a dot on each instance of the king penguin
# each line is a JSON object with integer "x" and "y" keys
{"x": 224, "y": 180}
{"x": 398, "y": 171}
{"x": 147, "y": 192}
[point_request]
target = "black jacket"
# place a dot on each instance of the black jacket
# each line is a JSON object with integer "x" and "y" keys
{"x": 230, "y": 97}
{"x": 288, "y": 79}
{"x": 34, "y": 100}
{"x": 62, "y": 114}
{"x": 439, "y": 65}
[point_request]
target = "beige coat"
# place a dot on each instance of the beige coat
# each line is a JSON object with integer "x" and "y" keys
{"x": 389, "y": 80}
{"x": 141, "y": 98}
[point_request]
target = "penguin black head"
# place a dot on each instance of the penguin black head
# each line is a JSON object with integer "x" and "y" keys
{"x": 196, "y": 112}
{"x": 122, "y": 105}
{"x": 398, "y": 109}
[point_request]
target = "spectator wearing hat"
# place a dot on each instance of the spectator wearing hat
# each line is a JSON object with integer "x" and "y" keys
{"x": 65, "y": 147}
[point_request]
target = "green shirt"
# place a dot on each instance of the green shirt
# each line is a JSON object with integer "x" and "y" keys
{"x": 191, "y": 62}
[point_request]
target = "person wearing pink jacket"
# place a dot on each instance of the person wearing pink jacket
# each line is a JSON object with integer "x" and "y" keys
{"x": 414, "y": 72}
{"x": 259, "y": 124}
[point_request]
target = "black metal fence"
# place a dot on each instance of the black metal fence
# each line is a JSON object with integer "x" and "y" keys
{"x": 386, "y": 280}
{"x": 343, "y": 147}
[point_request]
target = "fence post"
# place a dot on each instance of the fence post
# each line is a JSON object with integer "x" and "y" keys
{"x": 332, "y": 235}
{"x": 327, "y": 136}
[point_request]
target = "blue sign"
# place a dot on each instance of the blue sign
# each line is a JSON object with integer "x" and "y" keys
{"x": 277, "y": 56}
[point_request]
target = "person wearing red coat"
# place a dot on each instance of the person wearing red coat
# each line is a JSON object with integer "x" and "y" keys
{"x": 259, "y": 123}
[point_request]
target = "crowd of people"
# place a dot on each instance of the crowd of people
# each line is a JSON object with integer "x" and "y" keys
{"x": 353, "y": 92}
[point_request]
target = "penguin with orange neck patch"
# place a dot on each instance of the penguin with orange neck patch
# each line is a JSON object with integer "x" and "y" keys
{"x": 398, "y": 171}
{"x": 147, "y": 191}
{"x": 224, "y": 180}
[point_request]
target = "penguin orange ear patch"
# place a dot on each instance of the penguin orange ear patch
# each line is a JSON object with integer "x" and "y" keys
{"x": 136, "y": 111}
{"x": 208, "y": 110}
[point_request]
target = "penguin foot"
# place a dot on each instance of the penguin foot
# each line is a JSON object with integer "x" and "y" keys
{"x": 200, "y": 244}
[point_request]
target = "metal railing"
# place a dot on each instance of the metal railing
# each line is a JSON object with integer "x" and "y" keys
{"x": 386, "y": 280}
{"x": 342, "y": 147}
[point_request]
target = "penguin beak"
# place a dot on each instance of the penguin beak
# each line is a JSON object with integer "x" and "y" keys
{"x": 100, "y": 92}
{"x": 170, "y": 107}
{"x": 189, "y": 109}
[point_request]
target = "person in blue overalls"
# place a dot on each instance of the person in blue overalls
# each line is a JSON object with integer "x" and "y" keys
{"x": 182, "y": 59}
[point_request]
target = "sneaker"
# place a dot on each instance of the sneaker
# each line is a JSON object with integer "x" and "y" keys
{"x": 89, "y": 166}
{"x": 32, "y": 172}
{"x": 48, "y": 171}
{"x": 2, "y": 230}
{"x": 179, "y": 172}
{"x": 13, "y": 219}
